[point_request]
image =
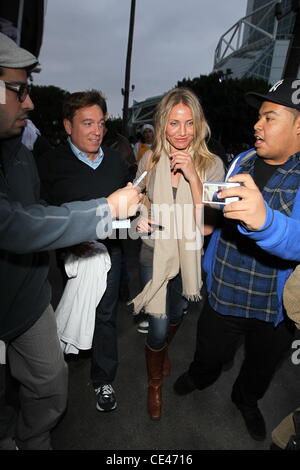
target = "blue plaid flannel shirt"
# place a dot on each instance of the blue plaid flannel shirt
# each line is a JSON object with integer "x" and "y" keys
{"x": 244, "y": 281}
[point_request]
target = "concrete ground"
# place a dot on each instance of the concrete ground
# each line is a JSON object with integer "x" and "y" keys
{"x": 205, "y": 420}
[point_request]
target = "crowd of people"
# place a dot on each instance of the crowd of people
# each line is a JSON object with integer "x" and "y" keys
{"x": 74, "y": 198}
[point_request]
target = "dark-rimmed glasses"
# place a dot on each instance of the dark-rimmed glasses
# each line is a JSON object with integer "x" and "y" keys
{"x": 22, "y": 89}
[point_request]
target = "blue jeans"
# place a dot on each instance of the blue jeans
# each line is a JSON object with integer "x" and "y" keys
{"x": 175, "y": 303}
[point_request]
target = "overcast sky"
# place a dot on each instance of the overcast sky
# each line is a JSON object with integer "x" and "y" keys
{"x": 85, "y": 44}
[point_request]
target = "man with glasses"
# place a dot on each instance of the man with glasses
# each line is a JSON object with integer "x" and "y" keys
{"x": 22, "y": 89}
{"x": 28, "y": 335}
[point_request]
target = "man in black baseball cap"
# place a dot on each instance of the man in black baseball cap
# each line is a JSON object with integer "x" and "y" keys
{"x": 28, "y": 334}
{"x": 248, "y": 263}
{"x": 285, "y": 92}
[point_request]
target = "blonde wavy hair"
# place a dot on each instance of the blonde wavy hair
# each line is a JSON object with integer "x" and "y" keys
{"x": 203, "y": 158}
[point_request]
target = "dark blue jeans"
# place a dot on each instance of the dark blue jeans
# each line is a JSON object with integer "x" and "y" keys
{"x": 175, "y": 303}
{"x": 104, "y": 348}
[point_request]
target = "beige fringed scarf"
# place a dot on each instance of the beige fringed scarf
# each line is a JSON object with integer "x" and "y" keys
{"x": 177, "y": 247}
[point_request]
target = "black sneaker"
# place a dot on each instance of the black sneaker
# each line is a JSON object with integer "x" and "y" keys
{"x": 106, "y": 399}
{"x": 253, "y": 418}
{"x": 184, "y": 384}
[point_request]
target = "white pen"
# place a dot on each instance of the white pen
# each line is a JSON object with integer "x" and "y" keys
{"x": 139, "y": 179}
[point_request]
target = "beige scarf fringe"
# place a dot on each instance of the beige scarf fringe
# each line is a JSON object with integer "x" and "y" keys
{"x": 177, "y": 247}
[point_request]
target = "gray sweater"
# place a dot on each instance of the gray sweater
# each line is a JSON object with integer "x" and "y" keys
{"x": 27, "y": 230}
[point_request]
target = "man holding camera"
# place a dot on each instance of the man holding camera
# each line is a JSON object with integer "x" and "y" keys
{"x": 250, "y": 258}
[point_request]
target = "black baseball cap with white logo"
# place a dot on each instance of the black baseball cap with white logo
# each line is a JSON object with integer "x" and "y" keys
{"x": 285, "y": 92}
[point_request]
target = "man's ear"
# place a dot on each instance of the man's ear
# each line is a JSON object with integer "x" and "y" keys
{"x": 67, "y": 126}
{"x": 298, "y": 123}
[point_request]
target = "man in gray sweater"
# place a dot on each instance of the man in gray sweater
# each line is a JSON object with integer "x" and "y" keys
{"x": 28, "y": 335}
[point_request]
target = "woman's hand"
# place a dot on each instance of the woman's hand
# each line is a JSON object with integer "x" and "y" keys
{"x": 144, "y": 225}
{"x": 183, "y": 161}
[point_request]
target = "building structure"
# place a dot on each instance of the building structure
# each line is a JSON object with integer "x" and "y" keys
{"x": 258, "y": 44}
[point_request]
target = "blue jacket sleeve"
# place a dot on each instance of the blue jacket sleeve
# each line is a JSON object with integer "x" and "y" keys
{"x": 280, "y": 235}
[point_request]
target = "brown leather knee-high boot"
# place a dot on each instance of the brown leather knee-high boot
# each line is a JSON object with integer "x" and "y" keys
{"x": 167, "y": 363}
{"x": 154, "y": 359}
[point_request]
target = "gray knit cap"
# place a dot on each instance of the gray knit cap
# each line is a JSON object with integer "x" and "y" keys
{"x": 13, "y": 56}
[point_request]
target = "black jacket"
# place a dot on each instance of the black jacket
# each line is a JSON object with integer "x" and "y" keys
{"x": 65, "y": 178}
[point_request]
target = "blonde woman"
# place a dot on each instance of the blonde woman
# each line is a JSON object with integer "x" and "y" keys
{"x": 170, "y": 257}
